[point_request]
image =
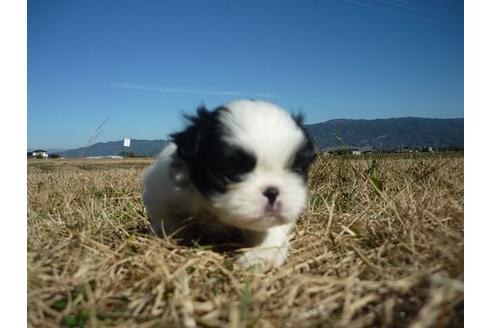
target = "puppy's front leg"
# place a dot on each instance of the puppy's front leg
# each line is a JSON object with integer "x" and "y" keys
{"x": 269, "y": 248}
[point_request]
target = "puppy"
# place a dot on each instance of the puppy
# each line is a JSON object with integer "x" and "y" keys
{"x": 235, "y": 174}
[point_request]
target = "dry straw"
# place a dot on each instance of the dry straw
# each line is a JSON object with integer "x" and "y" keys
{"x": 380, "y": 245}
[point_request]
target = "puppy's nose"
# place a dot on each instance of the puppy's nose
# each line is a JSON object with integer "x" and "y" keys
{"x": 271, "y": 193}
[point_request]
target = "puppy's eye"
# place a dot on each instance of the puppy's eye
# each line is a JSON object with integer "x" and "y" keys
{"x": 299, "y": 170}
{"x": 232, "y": 178}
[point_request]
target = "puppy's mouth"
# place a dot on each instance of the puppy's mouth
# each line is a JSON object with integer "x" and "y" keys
{"x": 270, "y": 216}
{"x": 269, "y": 219}
{"x": 279, "y": 220}
{"x": 273, "y": 209}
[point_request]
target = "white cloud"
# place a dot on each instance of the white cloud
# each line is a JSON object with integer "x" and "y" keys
{"x": 133, "y": 86}
{"x": 173, "y": 90}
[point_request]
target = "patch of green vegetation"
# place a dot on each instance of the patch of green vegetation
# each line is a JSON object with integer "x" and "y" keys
{"x": 98, "y": 194}
{"x": 245, "y": 299}
{"x": 374, "y": 174}
{"x": 344, "y": 185}
{"x": 200, "y": 247}
{"x": 60, "y": 304}
{"x": 77, "y": 320}
{"x": 250, "y": 319}
{"x": 130, "y": 206}
{"x": 228, "y": 264}
{"x": 375, "y": 239}
{"x": 106, "y": 322}
{"x": 357, "y": 231}
{"x": 131, "y": 249}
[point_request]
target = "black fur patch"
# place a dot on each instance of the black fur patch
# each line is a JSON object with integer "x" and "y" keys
{"x": 305, "y": 155}
{"x": 212, "y": 163}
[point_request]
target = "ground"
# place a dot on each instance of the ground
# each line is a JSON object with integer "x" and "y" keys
{"x": 380, "y": 245}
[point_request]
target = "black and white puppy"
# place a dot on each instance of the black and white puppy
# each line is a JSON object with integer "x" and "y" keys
{"x": 239, "y": 170}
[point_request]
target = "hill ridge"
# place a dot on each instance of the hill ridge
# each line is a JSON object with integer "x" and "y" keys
{"x": 377, "y": 134}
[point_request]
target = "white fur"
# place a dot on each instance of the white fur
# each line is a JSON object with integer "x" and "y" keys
{"x": 272, "y": 135}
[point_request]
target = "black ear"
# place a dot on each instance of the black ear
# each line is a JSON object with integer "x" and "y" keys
{"x": 201, "y": 128}
{"x": 309, "y": 146}
{"x": 298, "y": 118}
{"x": 187, "y": 143}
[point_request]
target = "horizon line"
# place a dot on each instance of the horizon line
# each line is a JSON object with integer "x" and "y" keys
{"x": 335, "y": 119}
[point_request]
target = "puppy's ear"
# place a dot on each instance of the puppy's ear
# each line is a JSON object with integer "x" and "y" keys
{"x": 193, "y": 139}
{"x": 187, "y": 143}
{"x": 298, "y": 118}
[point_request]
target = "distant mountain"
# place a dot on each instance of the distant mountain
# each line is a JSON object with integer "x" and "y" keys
{"x": 391, "y": 133}
{"x": 137, "y": 147}
{"x": 379, "y": 134}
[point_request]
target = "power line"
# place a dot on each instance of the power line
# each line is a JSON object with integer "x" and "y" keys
{"x": 426, "y": 10}
{"x": 428, "y": 20}
{"x": 459, "y": 5}
{"x": 440, "y": 9}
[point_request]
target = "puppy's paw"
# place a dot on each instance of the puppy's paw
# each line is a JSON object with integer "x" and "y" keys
{"x": 263, "y": 258}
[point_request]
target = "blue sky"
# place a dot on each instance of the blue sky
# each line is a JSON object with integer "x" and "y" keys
{"x": 143, "y": 63}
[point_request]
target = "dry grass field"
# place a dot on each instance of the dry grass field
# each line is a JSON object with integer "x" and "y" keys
{"x": 380, "y": 245}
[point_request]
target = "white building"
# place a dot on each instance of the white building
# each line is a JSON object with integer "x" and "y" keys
{"x": 40, "y": 153}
